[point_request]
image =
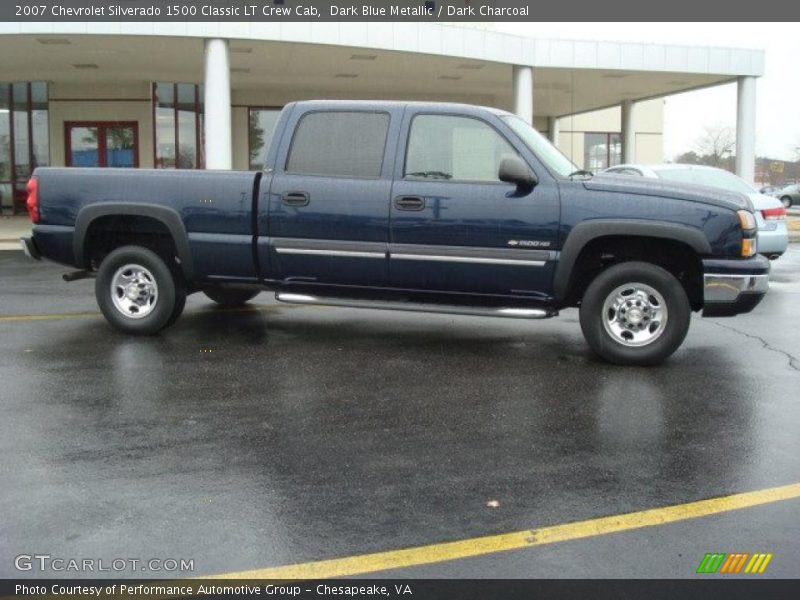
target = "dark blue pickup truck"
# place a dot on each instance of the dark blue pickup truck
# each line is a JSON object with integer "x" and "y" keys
{"x": 410, "y": 206}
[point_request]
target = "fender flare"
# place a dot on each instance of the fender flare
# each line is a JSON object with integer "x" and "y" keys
{"x": 585, "y": 232}
{"x": 166, "y": 216}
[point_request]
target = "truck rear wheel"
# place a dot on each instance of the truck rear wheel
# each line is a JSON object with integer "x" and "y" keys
{"x": 635, "y": 313}
{"x": 230, "y": 297}
{"x": 137, "y": 292}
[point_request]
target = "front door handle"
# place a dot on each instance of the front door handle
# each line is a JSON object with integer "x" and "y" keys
{"x": 296, "y": 199}
{"x": 409, "y": 203}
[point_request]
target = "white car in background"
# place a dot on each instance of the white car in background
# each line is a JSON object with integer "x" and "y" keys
{"x": 773, "y": 238}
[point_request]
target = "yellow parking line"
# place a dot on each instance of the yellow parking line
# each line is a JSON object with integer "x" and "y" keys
{"x": 83, "y": 315}
{"x": 433, "y": 553}
{"x": 49, "y": 317}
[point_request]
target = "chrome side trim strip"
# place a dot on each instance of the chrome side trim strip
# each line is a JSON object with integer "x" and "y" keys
{"x": 341, "y": 253}
{"x": 423, "y": 252}
{"x": 470, "y": 259}
{"x": 505, "y": 253}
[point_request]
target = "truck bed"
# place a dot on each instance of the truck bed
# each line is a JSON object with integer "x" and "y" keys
{"x": 214, "y": 207}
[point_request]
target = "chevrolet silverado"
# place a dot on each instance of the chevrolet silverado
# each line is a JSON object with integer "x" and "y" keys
{"x": 412, "y": 206}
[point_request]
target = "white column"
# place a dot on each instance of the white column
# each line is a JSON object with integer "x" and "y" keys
{"x": 218, "y": 139}
{"x": 628, "y": 133}
{"x": 523, "y": 93}
{"x": 552, "y": 130}
{"x": 746, "y": 128}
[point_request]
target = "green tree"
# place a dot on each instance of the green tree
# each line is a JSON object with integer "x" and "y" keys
{"x": 256, "y": 138}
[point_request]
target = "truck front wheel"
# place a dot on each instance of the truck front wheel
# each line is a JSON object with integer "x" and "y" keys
{"x": 635, "y": 313}
{"x": 137, "y": 292}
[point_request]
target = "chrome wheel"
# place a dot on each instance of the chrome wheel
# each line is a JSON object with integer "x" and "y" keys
{"x": 134, "y": 291}
{"x": 635, "y": 314}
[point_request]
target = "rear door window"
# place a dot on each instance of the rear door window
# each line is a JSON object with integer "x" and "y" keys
{"x": 339, "y": 144}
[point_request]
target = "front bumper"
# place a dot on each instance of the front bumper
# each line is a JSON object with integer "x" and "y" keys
{"x": 29, "y": 248}
{"x": 732, "y": 287}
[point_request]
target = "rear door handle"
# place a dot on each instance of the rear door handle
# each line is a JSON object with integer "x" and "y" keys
{"x": 296, "y": 199}
{"x": 409, "y": 203}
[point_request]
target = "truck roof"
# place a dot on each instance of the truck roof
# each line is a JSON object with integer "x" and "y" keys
{"x": 397, "y": 104}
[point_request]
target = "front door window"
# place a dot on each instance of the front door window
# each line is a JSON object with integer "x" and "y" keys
{"x": 102, "y": 144}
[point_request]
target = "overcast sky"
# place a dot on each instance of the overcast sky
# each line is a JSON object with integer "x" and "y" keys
{"x": 687, "y": 115}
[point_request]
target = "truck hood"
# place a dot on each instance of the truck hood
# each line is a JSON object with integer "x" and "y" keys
{"x": 644, "y": 186}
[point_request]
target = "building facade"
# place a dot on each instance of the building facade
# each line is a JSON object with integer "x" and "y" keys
{"x": 593, "y": 140}
{"x": 203, "y": 95}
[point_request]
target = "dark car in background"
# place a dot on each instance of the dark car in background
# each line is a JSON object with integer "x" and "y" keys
{"x": 789, "y": 195}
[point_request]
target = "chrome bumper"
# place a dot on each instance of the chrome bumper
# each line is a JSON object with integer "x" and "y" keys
{"x": 726, "y": 294}
{"x": 29, "y": 248}
{"x": 724, "y": 287}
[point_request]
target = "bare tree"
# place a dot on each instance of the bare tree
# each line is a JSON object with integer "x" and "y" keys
{"x": 716, "y": 144}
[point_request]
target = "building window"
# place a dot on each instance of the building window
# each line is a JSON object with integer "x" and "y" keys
{"x": 261, "y": 127}
{"x": 178, "y": 125}
{"x": 101, "y": 144}
{"x": 339, "y": 144}
{"x": 24, "y": 140}
{"x": 601, "y": 150}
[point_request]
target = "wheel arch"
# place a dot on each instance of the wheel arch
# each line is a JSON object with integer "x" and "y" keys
{"x": 165, "y": 216}
{"x": 592, "y": 231}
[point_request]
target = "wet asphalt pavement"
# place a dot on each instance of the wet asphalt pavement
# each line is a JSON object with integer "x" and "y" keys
{"x": 276, "y": 435}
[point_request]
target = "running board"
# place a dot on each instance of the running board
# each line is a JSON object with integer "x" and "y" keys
{"x": 449, "y": 309}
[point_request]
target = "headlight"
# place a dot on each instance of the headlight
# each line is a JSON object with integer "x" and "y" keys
{"x": 746, "y": 219}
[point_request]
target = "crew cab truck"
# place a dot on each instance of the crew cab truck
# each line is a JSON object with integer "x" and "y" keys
{"x": 412, "y": 206}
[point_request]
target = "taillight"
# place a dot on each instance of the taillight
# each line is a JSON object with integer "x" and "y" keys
{"x": 33, "y": 199}
{"x": 774, "y": 214}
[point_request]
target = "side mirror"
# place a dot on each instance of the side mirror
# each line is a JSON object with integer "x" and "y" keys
{"x": 514, "y": 170}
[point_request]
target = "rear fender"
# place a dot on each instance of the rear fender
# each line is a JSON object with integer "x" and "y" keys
{"x": 167, "y": 216}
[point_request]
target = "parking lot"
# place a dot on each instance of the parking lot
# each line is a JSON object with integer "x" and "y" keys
{"x": 273, "y": 435}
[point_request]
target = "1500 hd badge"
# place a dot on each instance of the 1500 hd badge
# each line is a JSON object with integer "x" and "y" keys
{"x": 529, "y": 243}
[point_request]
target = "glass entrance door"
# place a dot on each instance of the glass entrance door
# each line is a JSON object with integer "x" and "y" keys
{"x": 102, "y": 144}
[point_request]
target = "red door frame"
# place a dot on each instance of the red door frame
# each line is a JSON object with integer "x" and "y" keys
{"x": 101, "y": 126}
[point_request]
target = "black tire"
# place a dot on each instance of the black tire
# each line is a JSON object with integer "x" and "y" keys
{"x": 787, "y": 201}
{"x": 146, "y": 270}
{"x": 180, "y": 300}
{"x": 600, "y": 320}
{"x": 230, "y": 297}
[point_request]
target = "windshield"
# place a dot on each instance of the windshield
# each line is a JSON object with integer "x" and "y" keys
{"x": 541, "y": 147}
{"x": 711, "y": 177}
